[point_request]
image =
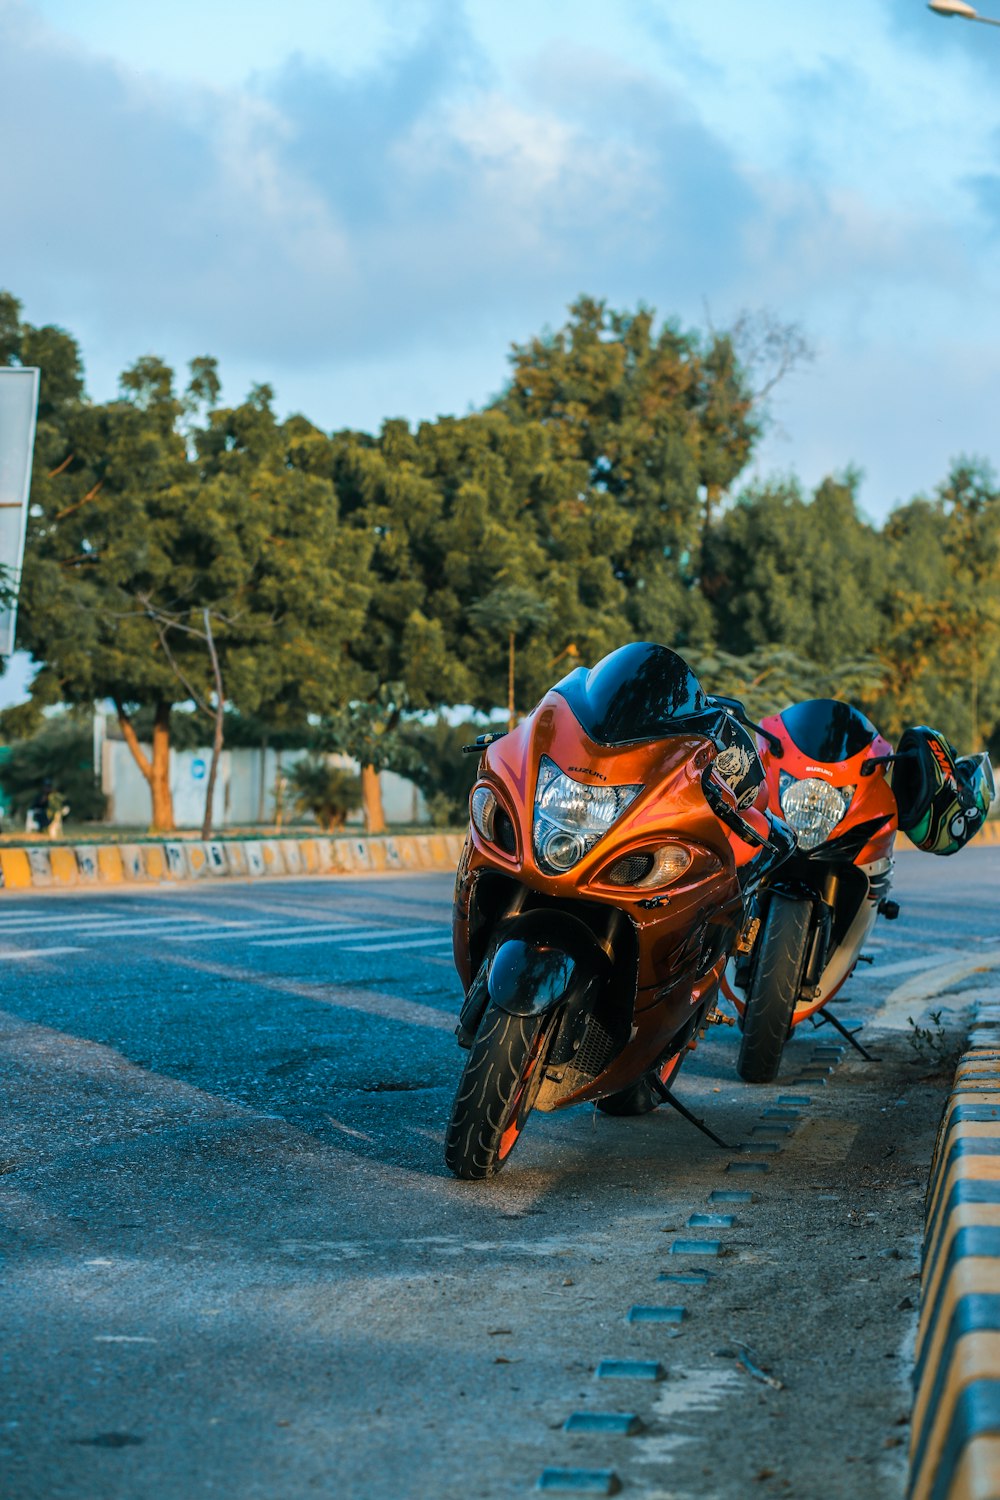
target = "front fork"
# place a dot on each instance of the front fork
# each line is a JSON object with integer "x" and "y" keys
{"x": 823, "y": 900}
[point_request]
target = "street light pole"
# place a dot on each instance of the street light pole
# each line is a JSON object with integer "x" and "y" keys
{"x": 952, "y": 8}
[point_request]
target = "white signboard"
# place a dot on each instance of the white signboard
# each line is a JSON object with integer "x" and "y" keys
{"x": 18, "y": 406}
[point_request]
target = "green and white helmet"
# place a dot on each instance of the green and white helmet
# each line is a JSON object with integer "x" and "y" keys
{"x": 942, "y": 798}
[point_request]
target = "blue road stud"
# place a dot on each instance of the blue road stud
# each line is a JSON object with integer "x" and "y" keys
{"x": 655, "y": 1315}
{"x": 711, "y": 1221}
{"x": 685, "y": 1278}
{"x": 759, "y": 1147}
{"x": 793, "y": 1099}
{"x": 748, "y": 1166}
{"x": 775, "y": 1128}
{"x": 813, "y": 1080}
{"x": 631, "y": 1369}
{"x": 774, "y": 1112}
{"x": 729, "y": 1195}
{"x": 622, "y": 1422}
{"x": 696, "y": 1247}
{"x": 579, "y": 1482}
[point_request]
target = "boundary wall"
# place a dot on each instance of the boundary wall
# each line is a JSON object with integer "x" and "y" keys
{"x": 49, "y": 866}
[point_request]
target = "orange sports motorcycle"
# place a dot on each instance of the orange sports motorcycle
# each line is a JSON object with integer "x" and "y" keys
{"x": 811, "y": 921}
{"x": 616, "y": 837}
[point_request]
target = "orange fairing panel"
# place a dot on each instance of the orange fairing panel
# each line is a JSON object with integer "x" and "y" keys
{"x": 671, "y": 804}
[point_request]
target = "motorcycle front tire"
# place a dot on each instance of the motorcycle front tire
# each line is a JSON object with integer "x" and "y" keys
{"x": 774, "y": 989}
{"x": 498, "y": 1086}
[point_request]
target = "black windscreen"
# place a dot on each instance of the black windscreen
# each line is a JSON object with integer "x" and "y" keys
{"x": 636, "y": 693}
{"x": 828, "y": 730}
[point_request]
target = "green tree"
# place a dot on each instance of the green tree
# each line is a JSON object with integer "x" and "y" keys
{"x": 804, "y": 575}
{"x": 62, "y": 752}
{"x": 942, "y": 609}
{"x": 438, "y": 765}
{"x": 769, "y": 678}
{"x": 662, "y": 423}
{"x": 368, "y": 730}
{"x": 511, "y": 613}
{"x": 145, "y": 519}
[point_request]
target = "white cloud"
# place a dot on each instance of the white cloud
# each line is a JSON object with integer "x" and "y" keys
{"x": 370, "y": 239}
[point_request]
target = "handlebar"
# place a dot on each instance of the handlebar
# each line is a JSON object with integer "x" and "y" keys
{"x": 482, "y": 741}
{"x": 729, "y": 815}
{"x": 735, "y": 707}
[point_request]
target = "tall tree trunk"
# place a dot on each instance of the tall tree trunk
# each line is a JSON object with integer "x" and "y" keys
{"x": 713, "y": 495}
{"x": 163, "y": 802}
{"x": 510, "y": 681}
{"x": 220, "y": 708}
{"x": 156, "y": 771}
{"x": 262, "y": 793}
{"x": 371, "y": 800}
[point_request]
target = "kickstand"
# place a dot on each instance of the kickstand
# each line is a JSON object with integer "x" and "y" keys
{"x": 825, "y": 1015}
{"x": 659, "y": 1087}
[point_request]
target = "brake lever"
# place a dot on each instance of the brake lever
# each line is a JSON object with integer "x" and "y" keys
{"x": 869, "y": 767}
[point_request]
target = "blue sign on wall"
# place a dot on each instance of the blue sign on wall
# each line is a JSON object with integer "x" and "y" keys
{"x": 198, "y": 769}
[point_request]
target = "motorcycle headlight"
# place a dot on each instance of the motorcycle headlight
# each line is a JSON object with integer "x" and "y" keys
{"x": 570, "y": 817}
{"x": 812, "y": 807}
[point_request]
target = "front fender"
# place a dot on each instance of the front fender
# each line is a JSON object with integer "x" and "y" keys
{"x": 547, "y": 959}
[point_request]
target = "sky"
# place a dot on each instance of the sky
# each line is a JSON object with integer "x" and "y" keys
{"x": 365, "y": 205}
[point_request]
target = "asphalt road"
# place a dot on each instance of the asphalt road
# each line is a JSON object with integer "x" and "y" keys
{"x": 234, "y": 1265}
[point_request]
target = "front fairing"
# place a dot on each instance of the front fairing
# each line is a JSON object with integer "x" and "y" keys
{"x": 850, "y": 870}
{"x": 866, "y": 832}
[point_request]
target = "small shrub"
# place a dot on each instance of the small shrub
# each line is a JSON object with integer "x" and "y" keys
{"x": 325, "y": 790}
{"x": 442, "y": 772}
{"x": 62, "y": 753}
{"x": 933, "y": 1045}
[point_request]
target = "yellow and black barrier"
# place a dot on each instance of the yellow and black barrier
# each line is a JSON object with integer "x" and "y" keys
{"x": 955, "y": 1441}
{"x": 55, "y": 866}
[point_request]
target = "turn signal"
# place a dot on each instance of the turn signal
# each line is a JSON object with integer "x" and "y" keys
{"x": 649, "y": 869}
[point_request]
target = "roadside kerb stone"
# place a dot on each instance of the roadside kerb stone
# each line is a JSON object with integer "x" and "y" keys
{"x": 45, "y": 867}
{"x": 955, "y": 1434}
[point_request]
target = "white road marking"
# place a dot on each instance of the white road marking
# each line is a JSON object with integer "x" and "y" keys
{"x": 121, "y": 924}
{"x": 122, "y": 1338}
{"x": 340, "y": 924}
{"x": 361, "y": 1135}
{"x": 370, "y": 1002}
{"x": 224, "y": 930}
{"x": 342, "y": 936}
{"x": 913, "y": 965}
{"x": 908, "y": 998}
{"x": 681, "y": 1407}
{"x": 34, "y": 923}
{"x": 426, "y": 942}
{"x": 14, "y": 953}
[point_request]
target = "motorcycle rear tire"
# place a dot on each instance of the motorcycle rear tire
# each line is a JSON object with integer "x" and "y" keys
{"x": 637, "y": 1099}
{"x": 497, "y": 1089}
{"x": 774, "y": 989}
{"x": 640, "y": 1098}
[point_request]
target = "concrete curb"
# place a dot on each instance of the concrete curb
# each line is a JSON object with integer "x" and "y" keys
{"x": 55, "y": 867}
{"x": 955, "y": 1434}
